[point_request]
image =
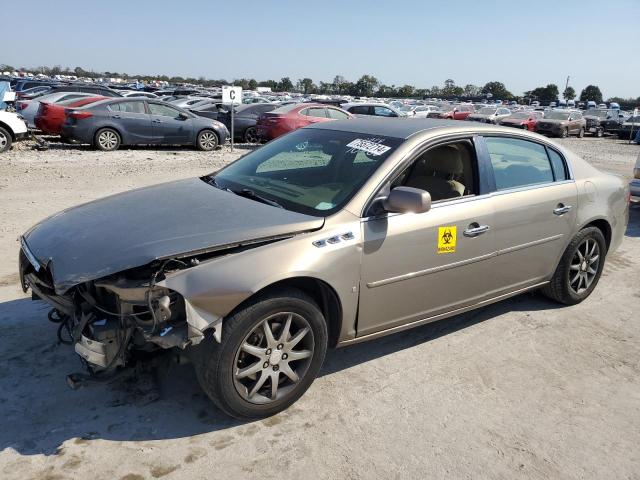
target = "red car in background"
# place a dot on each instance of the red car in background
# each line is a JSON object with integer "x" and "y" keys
{"x": 50, "y": 116}
{"x": 290, "y": 117}
{"x": 458, "y": 112}
{"x": 525, "y": 120}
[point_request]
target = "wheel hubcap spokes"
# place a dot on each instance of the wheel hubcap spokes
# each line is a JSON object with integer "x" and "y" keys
{"x": 3, "y": 141}
{"x": 584, "y": 265}
{"x": 273, "y": 358}
{"x": 207, "y": 140}
{"x": 108, "y": 140}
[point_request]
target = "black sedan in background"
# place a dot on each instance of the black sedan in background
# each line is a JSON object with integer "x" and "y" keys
{"x": 138, "y": 121}
{"x": 245, "y": 118}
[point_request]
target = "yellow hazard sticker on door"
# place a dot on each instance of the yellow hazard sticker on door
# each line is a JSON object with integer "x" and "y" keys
{"x": 447, "y": 237}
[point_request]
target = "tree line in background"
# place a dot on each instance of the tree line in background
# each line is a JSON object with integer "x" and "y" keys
{"x": 365, "y": 86}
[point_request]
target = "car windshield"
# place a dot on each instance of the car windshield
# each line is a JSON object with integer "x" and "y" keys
{"x": 487, "y": 111}
{"x": 556, "y": 115}
{"x": 311, "y": 171}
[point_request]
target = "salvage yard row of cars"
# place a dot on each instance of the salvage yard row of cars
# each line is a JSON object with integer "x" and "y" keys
{"x": 107, "y": 119}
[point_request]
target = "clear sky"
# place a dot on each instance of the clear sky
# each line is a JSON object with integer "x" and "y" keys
{"x": 421, "y": 43}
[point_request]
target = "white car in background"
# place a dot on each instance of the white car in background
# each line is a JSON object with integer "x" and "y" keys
{"x": 29, "y": 108}
{"x": 12, "y": 128}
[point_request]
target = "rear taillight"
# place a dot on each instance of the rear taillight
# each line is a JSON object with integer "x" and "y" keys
{"x": 79, "y": 115}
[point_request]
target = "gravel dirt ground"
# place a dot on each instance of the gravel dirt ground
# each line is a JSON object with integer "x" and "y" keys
{"x": 520, "y": 389}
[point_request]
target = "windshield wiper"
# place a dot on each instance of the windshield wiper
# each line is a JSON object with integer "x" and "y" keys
{"x": 245, "y": 192}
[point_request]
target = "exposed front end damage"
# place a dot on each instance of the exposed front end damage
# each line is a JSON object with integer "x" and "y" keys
{"x": 116, "y": 320}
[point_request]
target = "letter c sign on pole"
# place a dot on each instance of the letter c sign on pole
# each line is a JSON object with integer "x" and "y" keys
{"x": 232, "y": 96}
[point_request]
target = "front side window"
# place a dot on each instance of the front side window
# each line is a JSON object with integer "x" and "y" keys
{"x": 518, "y": 163}
{"x": 316, "y": 112}
{"x": 445, "y": 171}
{"x": 312, "y": 171}
{"x": 163, "y": 110}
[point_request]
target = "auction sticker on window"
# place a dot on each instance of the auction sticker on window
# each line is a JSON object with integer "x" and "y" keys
{"x": 447, "y": 239}
{"x": 367, "y": 146}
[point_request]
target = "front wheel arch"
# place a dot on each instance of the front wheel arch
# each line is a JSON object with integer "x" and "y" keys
{"x": 320, "y": 291}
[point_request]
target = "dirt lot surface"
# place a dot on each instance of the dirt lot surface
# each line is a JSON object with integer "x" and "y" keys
{"x": 520, "y": 389}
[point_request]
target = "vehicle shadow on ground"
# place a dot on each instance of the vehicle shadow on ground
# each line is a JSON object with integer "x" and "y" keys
{"x": 40, "y": 411}
{"x": 54, "y": 143}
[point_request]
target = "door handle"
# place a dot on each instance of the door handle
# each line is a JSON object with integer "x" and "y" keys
{"x": 115, "y": 116}
{"x": 474, "y": 231}
{"x": 561, "y": 209}
{"x": 157, "y": 121}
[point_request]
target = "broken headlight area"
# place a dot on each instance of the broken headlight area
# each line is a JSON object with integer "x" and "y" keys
{"x": 118, "y": 319}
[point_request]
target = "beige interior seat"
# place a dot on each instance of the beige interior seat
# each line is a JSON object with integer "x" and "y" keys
{"x": 436, "y": 171}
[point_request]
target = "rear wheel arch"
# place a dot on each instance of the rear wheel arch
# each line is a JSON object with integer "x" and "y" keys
{"x": 602, "y": 225}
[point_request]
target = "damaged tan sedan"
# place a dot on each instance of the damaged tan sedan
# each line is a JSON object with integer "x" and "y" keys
{"x": 334, "y": 234}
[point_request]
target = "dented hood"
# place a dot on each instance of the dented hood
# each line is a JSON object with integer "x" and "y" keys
{"x": 132, "y": 229}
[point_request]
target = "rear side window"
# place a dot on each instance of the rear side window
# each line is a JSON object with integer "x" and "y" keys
{"x": 518, "y": 163}
{"x": 384, "y": 111}
{"x": 128, "y": 107}
{"x": 163, "y": 110}
{"x": 559, "y": 168}
{"x": 316, "y": 112}
{"x": 337, "y": 114}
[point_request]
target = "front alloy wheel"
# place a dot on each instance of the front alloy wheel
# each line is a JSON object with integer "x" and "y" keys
{"x": 251, "y": 135}
{"x": 207, "y": 140}
{"x": 5, "y": 140}
{"x": 271, "y": 351}
{"x": 273, "y": 357}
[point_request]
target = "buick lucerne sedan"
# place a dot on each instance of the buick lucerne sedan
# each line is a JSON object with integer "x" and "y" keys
{"x": 333, "y": 234}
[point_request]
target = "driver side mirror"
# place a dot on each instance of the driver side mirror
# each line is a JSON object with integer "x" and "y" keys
{"x": 183, "y": 116}
{"x": 406, "y": 200}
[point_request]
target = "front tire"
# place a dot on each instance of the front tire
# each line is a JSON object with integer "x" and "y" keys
{"x": 107, "y": 140}
{"x": 207, "y": 140}
{"x": 581, "y": 133}
{"x": 564, "y": 133}
{"x": 5, "y": 140}
{"x": 271, "y": 351}
{"x": 579, "y": 269}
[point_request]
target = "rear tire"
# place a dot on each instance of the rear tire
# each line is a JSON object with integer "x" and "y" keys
{"x": 107, "y": 140}
{"x": 579, "y": 269}
{"x": 5, "y": 140}
{"x": 599, "y": 133}
{"x": 207, "y": 140}
{"x": 251, "y": 135}
{"x": 241, "y": 374}
{"x": 564, "y": 133}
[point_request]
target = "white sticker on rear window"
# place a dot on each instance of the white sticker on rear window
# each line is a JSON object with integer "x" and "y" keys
{"x": 367, "y": 146}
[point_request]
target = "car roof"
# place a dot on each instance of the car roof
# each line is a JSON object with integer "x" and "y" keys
{"x": 388, "y": 127}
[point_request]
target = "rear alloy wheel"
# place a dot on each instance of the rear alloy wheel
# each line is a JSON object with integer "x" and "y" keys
{"x": 581, "y": 133}
{"x": 271, "y": 351}
{"x": 5, "y": 140}
{"x": 564, "y": 133}
{"x": 251, "y": 135}
{"x": 207, "y": 140}
{"x": 107, "y": 140}
{"x": 579, "y": 269}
